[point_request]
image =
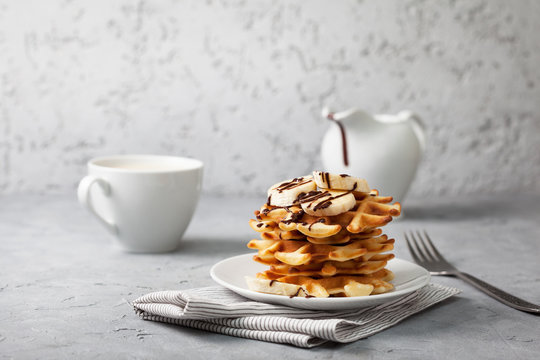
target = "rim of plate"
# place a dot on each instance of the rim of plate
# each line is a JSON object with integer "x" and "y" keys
{"x": 391, "y": 294}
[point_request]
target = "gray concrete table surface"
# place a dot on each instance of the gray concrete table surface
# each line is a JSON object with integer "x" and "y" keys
{"x": 63, "y": 286}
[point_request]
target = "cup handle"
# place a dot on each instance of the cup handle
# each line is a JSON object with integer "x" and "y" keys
{"x": 83, "y": 193}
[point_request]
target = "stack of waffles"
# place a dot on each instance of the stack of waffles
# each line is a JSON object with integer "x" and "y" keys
{"x": 321, "y": 237}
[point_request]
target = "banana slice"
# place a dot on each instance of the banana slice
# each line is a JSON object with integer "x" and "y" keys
{"x": 354, "y": 288}
{"x": 327, "y": 202}
{"x": 345, "y": 182}
{"x": 287, "y": 193}
{"x": 318, "y": 229}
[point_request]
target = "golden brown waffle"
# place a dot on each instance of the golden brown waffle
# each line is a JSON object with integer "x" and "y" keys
{"x": 371, "y": 211}
{"x": 344, "y": 285}
{"x": 303, "y": 252}
{"x": 330, "y": 268}
{"x": 272, "y": 252}
{"x": 344, "y": 237}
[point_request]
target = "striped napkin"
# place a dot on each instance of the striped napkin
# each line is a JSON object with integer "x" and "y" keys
{"x": 222, "y": 311}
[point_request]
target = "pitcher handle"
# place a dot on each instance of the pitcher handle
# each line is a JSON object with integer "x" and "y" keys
{"x": 83, "y": 193}
{"x": 417, "y": 124}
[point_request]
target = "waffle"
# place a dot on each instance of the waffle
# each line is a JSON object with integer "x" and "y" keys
{"x": 330, "y": 268}
{"x": 371, "y": 211}
{"x": 344, "y": 237}
{"x": 304, "y": 252}
{"x": 301, "y": 252}
{"x": 345, "y": 285}
{"x": 338, "y": 255}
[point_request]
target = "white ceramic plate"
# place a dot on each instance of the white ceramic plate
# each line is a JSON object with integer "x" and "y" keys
{"x": 231, "y": 273}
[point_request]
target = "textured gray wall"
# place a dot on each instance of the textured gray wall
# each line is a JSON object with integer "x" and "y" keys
{"x": 240, "y": 85}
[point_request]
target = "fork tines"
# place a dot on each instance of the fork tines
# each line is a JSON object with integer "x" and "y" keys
{"x": 421, "y": 247}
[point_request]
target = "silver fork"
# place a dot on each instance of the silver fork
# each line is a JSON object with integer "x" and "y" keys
{"x": 426, "y": 255}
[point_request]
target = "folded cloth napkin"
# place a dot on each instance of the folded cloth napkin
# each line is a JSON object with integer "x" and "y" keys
{"x": 222, "y": 311}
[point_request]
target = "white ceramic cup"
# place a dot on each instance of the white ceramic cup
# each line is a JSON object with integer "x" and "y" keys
{"x": 145, "y": 201}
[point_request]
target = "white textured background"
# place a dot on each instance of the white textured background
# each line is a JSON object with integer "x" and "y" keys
{"x": 240, "y": 85}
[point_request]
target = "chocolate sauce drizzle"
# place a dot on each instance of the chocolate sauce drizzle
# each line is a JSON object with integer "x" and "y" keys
{"x": 330, "y": 116}
{"x": 295, "y": 217}
{"x": 292, "y": 184}
{"x": 327, "y": 179}
{"x": 297, "y": 292}
{"x": 316, "y": 195}
{"x": 311, "y": 196}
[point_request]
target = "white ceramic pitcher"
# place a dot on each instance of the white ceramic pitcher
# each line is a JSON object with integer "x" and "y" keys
{"x": 383, "y": 149}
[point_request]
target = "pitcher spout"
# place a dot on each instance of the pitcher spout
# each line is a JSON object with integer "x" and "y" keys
{"x": 343, "y": 115}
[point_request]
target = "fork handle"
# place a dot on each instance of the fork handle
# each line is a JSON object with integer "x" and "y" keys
{"x": 500, "y": 295}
